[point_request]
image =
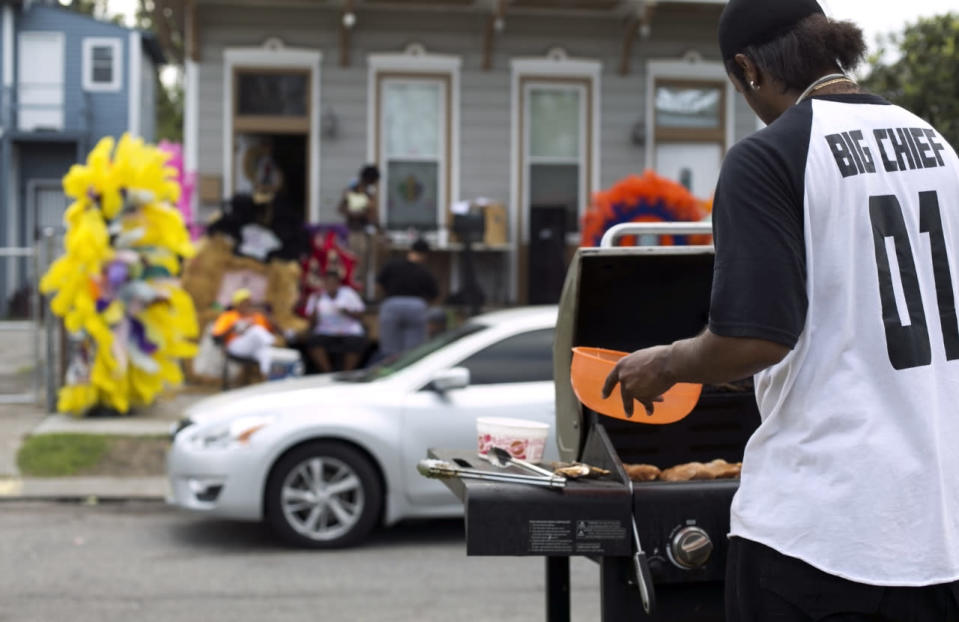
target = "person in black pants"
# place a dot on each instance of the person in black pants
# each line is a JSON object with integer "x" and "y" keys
{"x": 409, "y": 288}
{"x": 833, "y": 285}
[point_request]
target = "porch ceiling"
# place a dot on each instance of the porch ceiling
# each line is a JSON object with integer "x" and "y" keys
{"x": 635, "y": 14}
{"x": 579, "y": 6}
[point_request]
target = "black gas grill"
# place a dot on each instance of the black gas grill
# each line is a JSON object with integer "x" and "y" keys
{"x": 625, "y": 299}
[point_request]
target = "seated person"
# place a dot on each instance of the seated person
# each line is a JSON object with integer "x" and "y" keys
{"x": 247, "y": 333}
{"x": 335, "y": 312}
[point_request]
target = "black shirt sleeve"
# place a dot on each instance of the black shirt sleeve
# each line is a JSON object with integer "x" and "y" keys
{"x": 385, "y": 277}
{"x": 759, "y": 279}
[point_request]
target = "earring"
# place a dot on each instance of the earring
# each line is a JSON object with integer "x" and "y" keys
{"x": 753, "y": 85}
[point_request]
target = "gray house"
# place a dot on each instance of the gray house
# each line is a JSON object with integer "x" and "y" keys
{"x": 67, "y": 81}
{"x": 528, "y": 104}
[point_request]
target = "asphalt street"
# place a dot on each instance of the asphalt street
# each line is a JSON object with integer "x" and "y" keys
{"x": 147, "y": 562}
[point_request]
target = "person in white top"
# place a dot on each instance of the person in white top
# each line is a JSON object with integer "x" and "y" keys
{"x": 833, "y": 284}
{"x": 335, "y": 313}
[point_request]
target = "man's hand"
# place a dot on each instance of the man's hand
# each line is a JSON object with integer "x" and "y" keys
{"x": 646, "y": 374}
{"x": 642, "y": 376}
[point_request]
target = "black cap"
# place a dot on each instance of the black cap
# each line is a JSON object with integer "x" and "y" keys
{"x": 369, "y": 174}
{"x": 420, "y": 246}
{"x": 752, "y": 22}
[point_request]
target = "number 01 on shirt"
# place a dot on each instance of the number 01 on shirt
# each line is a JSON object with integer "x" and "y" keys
{"x": 908, "y": 344}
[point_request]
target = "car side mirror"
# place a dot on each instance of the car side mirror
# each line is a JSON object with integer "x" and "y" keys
{"x": 450, "y": 379}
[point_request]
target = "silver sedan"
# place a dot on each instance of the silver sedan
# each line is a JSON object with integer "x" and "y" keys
{"x": 325, "y": 459}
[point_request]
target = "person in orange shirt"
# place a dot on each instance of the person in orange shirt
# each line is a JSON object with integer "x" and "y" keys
{"x": 248, "y": 333}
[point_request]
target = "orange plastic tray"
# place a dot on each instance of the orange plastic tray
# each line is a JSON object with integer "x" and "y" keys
{"x": 588, "y": 373}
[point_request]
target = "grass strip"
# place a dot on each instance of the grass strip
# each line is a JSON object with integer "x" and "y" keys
{"x": 61, "y": 455}
{"x": 66, "y": 454}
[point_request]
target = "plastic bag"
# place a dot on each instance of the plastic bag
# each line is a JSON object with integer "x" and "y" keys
{"x": 210, "y": 358}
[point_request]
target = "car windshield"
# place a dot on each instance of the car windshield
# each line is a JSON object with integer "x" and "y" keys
{"x": 390, "y": 366}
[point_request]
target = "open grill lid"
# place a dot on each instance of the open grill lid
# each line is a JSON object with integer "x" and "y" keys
{"x": 627, "y": 298}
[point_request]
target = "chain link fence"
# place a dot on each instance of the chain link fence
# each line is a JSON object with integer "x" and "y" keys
{"x": 30, "y": 337}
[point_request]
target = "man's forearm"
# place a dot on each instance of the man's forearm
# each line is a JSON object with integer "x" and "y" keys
{"x": 711, "y": 359}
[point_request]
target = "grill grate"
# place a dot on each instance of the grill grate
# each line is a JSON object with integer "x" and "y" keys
{"x": 718, "y": 428}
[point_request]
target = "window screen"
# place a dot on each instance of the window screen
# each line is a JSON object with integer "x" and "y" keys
{"x": 102, "y": 64}
{"x": 556, "y": 154}
{"x": 413, "y": 130}
{"x": 554, "y": 123}
{"x": 556, "y": 185}
{"x": 527, "y": 357}
{"x": 412, "y": 120}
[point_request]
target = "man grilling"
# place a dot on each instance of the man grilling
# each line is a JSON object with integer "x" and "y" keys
{"x": 837, "y": 233}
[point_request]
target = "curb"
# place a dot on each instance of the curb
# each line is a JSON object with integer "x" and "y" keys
{"x": 63, "y": 424}
{"x": 84, "y": 489}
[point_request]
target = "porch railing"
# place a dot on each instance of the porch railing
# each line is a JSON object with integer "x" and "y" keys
{"x": 67, "y": 115}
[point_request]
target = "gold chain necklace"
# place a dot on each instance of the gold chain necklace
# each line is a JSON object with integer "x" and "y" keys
{"x": 823, "y": 82}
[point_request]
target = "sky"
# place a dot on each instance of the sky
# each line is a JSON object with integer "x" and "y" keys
{"x": 875, "y": 17}
{"x": 126, "y": 8}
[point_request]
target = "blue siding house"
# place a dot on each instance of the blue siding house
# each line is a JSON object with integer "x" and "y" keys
{"x": 67, "y": 81}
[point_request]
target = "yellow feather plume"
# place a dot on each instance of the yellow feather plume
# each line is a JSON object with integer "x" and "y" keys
{"x": 114, "y": 286}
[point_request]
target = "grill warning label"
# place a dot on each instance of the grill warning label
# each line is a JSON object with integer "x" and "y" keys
{"x": 551, "y": 536}
{"x": 591, "y": 534}
{"x": 567, "y": 536}
{"x": 600, "y": 530}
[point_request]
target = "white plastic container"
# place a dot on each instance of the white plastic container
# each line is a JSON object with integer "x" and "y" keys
{"x": 522, "y": 438}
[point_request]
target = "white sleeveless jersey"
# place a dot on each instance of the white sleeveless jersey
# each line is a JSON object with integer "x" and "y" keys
{"x": 851, "y": 205}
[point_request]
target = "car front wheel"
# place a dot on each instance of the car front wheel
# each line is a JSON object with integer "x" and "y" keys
{"x": 323, "y": 495}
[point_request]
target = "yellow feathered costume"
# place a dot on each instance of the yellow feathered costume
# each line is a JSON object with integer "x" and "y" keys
{"x": 116, "y": 286}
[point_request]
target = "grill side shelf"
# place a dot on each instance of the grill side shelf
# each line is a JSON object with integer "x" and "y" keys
{"x": 587, "y": 519}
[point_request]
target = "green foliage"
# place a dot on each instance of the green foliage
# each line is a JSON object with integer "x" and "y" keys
{"x": 924, "y": 78}
{"x": 164, "y": 23}
{"x": 59, "y": 455}
{"x": 169, "y": 112}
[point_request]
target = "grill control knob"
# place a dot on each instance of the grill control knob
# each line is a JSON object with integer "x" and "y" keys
{"x": 690, "y": 548}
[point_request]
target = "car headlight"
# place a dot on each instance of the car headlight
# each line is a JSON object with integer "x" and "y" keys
{"x": 237, "y": 431}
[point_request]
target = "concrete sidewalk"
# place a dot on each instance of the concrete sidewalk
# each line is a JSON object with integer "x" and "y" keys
{"x": 17, "y": 422}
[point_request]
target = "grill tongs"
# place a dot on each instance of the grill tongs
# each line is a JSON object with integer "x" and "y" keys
{"x": 442, "y": 469}
{"x": 644, "y": 578}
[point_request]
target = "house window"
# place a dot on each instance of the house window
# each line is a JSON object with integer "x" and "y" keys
{"x": 689, "y": 119}
{"x": 272, "y": 125}
{"x": 276, "y": 93}
{"x": 40, "y": 77}
{"x": 102, "y": 67}
{"x": 272, "y": 100}
{"x": 414, "y": 149}
{"x": 102, "y": 62}
{"x": 556, "y": 147}
{"x": 690, "y": 111}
